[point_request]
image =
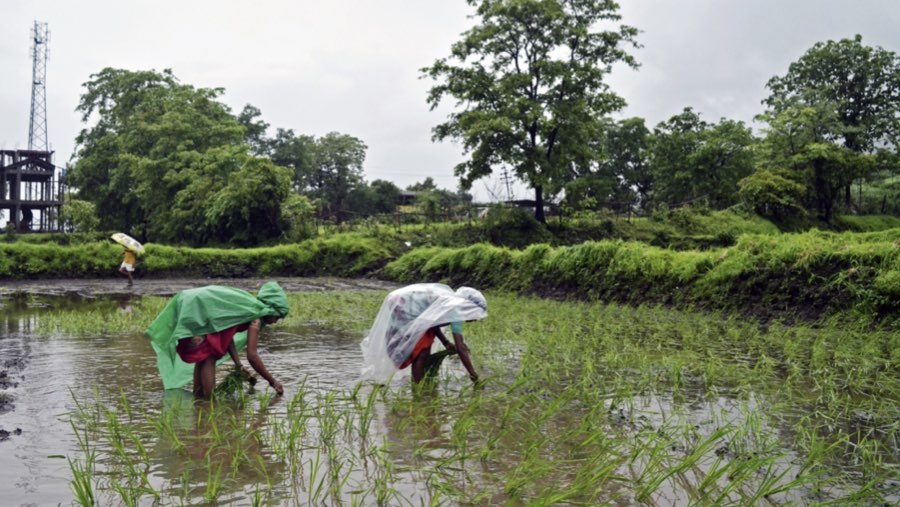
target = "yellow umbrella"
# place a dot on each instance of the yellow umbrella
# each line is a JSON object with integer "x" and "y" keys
{"x": 128, "y": 242}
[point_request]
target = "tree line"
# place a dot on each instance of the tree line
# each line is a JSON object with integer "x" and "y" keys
{"x": 163, "y": 159}
{"x": 168, "y": 161}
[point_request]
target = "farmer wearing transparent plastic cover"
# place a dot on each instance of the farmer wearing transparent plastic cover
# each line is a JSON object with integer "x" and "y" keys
{"x": 407, "y": 324}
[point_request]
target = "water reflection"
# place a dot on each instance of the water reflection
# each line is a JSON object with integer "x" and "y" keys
{"x": 194, "y": 436}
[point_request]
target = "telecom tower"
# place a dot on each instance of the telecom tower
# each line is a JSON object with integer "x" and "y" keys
{"x": 37, "y": 127}
{"x": 31, "y": 196}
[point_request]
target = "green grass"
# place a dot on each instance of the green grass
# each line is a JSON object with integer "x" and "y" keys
{"x": 805, "y": 276}
{"x": 868, "y": 223}
{"x": 717, "y": 260}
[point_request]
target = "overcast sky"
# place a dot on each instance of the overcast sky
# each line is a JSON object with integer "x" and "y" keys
{"x": 352, "y": 66}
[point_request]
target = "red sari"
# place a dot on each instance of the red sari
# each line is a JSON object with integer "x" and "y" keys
{"x": 213, "y": 345}
{"x": 422, "y": 346}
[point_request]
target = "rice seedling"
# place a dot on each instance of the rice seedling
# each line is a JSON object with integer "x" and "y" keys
{"x": 83, "y": 481}
{"x": 213, "y": 480}
{"x": 583, "y": 403}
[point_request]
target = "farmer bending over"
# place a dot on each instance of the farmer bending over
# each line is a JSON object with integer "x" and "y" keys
{"x": 407, "y": 324}
{"x": 199, "y": 326}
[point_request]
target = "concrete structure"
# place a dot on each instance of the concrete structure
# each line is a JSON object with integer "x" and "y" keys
{"x": 30, "y": 191}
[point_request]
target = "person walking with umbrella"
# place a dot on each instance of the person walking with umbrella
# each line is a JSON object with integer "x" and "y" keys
{"x": 131, "y": 247}
{"x": 129, "y": 261}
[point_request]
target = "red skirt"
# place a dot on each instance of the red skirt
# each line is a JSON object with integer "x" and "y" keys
{"x": 213, "y": 345}
{"x": 422, "y": 346}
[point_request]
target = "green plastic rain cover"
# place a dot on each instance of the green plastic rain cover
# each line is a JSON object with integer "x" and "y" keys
{"x": 204, "y": 310}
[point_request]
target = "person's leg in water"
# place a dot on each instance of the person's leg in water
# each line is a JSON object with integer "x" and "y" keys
{"x": 433, "y": 364}
{"x": 418, "y": 365}
{"x": 205, "y": 373}
{"x": 197, "y": 386}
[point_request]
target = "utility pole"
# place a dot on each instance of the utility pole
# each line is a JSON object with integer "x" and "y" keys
{"x": 505, "y": 178}
{"x": 37, "y": 126}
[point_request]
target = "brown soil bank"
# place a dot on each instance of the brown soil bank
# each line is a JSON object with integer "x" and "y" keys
{"x": 90, "y": 288}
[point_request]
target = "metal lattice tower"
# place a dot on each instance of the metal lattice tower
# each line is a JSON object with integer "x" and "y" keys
{"x": 37, "y": 127}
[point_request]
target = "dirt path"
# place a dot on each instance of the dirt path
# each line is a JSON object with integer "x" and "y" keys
{"x": 90, "y": 288}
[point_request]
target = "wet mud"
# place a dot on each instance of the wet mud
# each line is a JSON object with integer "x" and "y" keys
{"x": 92, "y": 288}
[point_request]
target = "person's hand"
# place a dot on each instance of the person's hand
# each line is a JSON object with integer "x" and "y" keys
{"x": 248, "y": 375}
{"x": 278, "y": 387}
{"x": 452, "y": 348}
{"x": 474, "y": 377}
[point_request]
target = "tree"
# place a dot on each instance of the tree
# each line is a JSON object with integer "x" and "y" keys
{"x": 589, "y": 192}
{"x": 861, "y": 84}
{"x": 157, "y": 153}
{"x": 379, "y": 197}
{"x": 529, "y": 85}
{"x": 626, "y": 157}
{"x": 297, "y": 153}
{"x": 298, "y": 214}
{"x": 431, "y": 202}
{"x": 772, "y": 194}
{"x": 800, "y": 140}
{"x": 386, "y": 195}
{"x": 79, "y": 215}
{"x": 421, "y": 186}
{"x": 254, "y": 130}
{"x": 693, "y": 160}
{"x": 337, "y": 170}
{"x": 247, "y": 211}
{"x": 620, "y": 177}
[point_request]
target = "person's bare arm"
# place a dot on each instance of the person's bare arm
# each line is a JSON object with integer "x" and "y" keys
{"x": 447, "y": 345}
{"x": 463, "y": 352}
{"x": 255, "y": 361}
{"x": 232, "y": 351}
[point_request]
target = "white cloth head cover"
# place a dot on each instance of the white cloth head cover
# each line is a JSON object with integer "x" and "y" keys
{"x": 405, "y": 315}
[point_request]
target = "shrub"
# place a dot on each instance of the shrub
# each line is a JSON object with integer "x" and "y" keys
{"x": 772, "y": 194}
{"x": 515, "y": 227}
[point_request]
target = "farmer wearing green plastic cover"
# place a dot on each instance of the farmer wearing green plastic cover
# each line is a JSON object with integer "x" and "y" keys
{"x": 199, "y": 326}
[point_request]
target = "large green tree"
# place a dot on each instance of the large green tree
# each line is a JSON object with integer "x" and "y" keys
{"x": 157, "y": 155}
{"x": 799, "y": 142}
{"x": 859, "y": 83}
{"x": 692, "y": 160}
{"x": 254, "y": 130}
{"x": 529, "y": 81}
{"x": 379, "y": 197}
{"x": 337, "y": 169}
{"x": 297, "y": 153}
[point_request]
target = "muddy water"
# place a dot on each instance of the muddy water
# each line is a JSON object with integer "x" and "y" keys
{"x": 40, "y": 374}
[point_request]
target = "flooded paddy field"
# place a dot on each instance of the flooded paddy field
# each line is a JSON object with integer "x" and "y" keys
{"x": 579, "y": 404}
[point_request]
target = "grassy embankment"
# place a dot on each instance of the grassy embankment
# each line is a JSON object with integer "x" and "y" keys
{"x": 583, "y": 403}
{"x": 807, "y": 275}
{"x": 758, "y": 270}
